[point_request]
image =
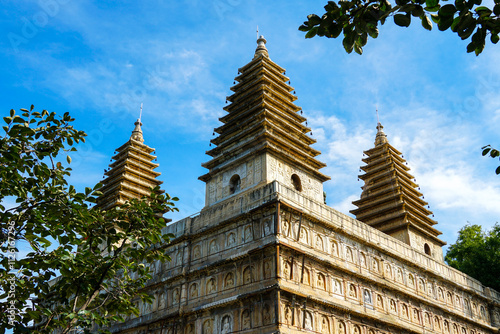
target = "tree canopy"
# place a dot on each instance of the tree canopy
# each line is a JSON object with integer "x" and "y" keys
{"x": 359, "y": 19}
{"x": 83, "y": 266}
{"x": 477, "y": 253}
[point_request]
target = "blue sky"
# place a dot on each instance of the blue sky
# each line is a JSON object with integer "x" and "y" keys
{"x": 100, "y": 60}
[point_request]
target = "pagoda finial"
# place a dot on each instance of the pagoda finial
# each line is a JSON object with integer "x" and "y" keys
{"x": 381, "y": 137}
{"x": 137, "y": 133}
{"x": 261, "y": 47}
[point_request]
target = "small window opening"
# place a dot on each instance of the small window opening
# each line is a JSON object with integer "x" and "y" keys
{"x": 234, "y": 184}
{"x": 296, "y": 182}
{"x": 427, "y": 249}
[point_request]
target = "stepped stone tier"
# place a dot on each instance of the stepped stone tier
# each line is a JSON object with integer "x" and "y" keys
{"x": 266, "y": 255}
{"x": 131, "y": 174}
{"x": 390, "y": 201}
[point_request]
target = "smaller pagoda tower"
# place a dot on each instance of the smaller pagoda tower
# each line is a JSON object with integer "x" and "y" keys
{"x": 131, "y": 174}
{"x": 390, "y": 200}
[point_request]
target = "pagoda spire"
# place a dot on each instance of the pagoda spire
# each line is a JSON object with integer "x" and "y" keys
{"x": 381, "y": 137}
{"x": 263, "y": 128}
{"x": 391, "y": 200}
{"x": 131, "y": 174}
{"x": 137, "y": 133}
{"x": 261, "y": 47}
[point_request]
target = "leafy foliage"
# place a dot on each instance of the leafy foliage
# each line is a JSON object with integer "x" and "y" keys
{"x": 358, "y": 19}
{"x": 98, "y": 256}
{"x": 492, "y": 152}
{"x": 477, "y": 253}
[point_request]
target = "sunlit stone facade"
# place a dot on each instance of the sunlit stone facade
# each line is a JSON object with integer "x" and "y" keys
{"x": 266, "y": 255}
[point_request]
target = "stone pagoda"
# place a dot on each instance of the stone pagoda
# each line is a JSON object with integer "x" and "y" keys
{"x": 263, "y": 137}
{"x": 267, "y": 255}
{"x": 131, "y": 174}
{"x": 391, "y": 202}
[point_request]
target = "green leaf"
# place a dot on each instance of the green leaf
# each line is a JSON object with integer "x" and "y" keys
{"x": 372, "y": 30}
{"x": 426, "y": 22}
{"x": 68, "y": 159}
{"x": 483, "y": 11}
{"x": 494, "y": 39}
{"x": 313, "y": 19}
{"x": 348, "y": 42}
{"x": 334, "y": 30}
{"x": 497, "y": 171}
{"x": 418, "y": 11}
{"x": 431, "y": 3}
{"x": 358, "y": 49}
{"x": 471, "y": 47}
{"x": 447, "y": 10}
{"x": 304, "y": 27}
{"x": 402, "y": 20}
{"x": 460, "y": 4}
{"x": 496, "y": 9}
{"x": 311, "y": 33}
{"x": 445, "y": 22}
{"x": 464, "y": 34}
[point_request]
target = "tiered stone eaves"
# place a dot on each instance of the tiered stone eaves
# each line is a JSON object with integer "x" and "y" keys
{"x": 131, "y": 174}
{"x": 390, "y": 200}
{"x": 263, "y": 117}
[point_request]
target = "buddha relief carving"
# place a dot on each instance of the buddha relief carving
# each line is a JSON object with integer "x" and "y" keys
{"x": 196, "y": 252}
{"x": 208, "y": 327}
{"x": 352, "y": 291}
{"x": 325, "y": 325}
{"x": 231, "y": 240}
{"x": 245, "y": 320}
{"x": 266, "y": 315}
{"x": 308, "y": 320}
{"x": 267, "y": 269}
{"x": 288, "y": 315}
{"x": 321, "y": 281}
{"x": 211, "y": 286}
{"x": 213, "y": 247}
{"x": 226, "y": 324}
{"x": 303, "y": 237}
{"x": 248, "y": 275}
{"x": 337, "y": 286}
{"x": 319, "y": 243}
{"x": 335, "y": 248}
{"x": 193, "y": 290}
{"x": 229, "y": 280}
{"x": 248, "y": 235}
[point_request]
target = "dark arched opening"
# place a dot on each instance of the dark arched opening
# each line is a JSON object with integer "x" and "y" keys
{"x": 427, "y": 249}
{"x": 234, "y": 184}
{"x": 296, "y": 182}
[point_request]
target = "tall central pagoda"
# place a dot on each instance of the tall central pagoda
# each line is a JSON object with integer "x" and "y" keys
{"x": 263, "y": 137}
